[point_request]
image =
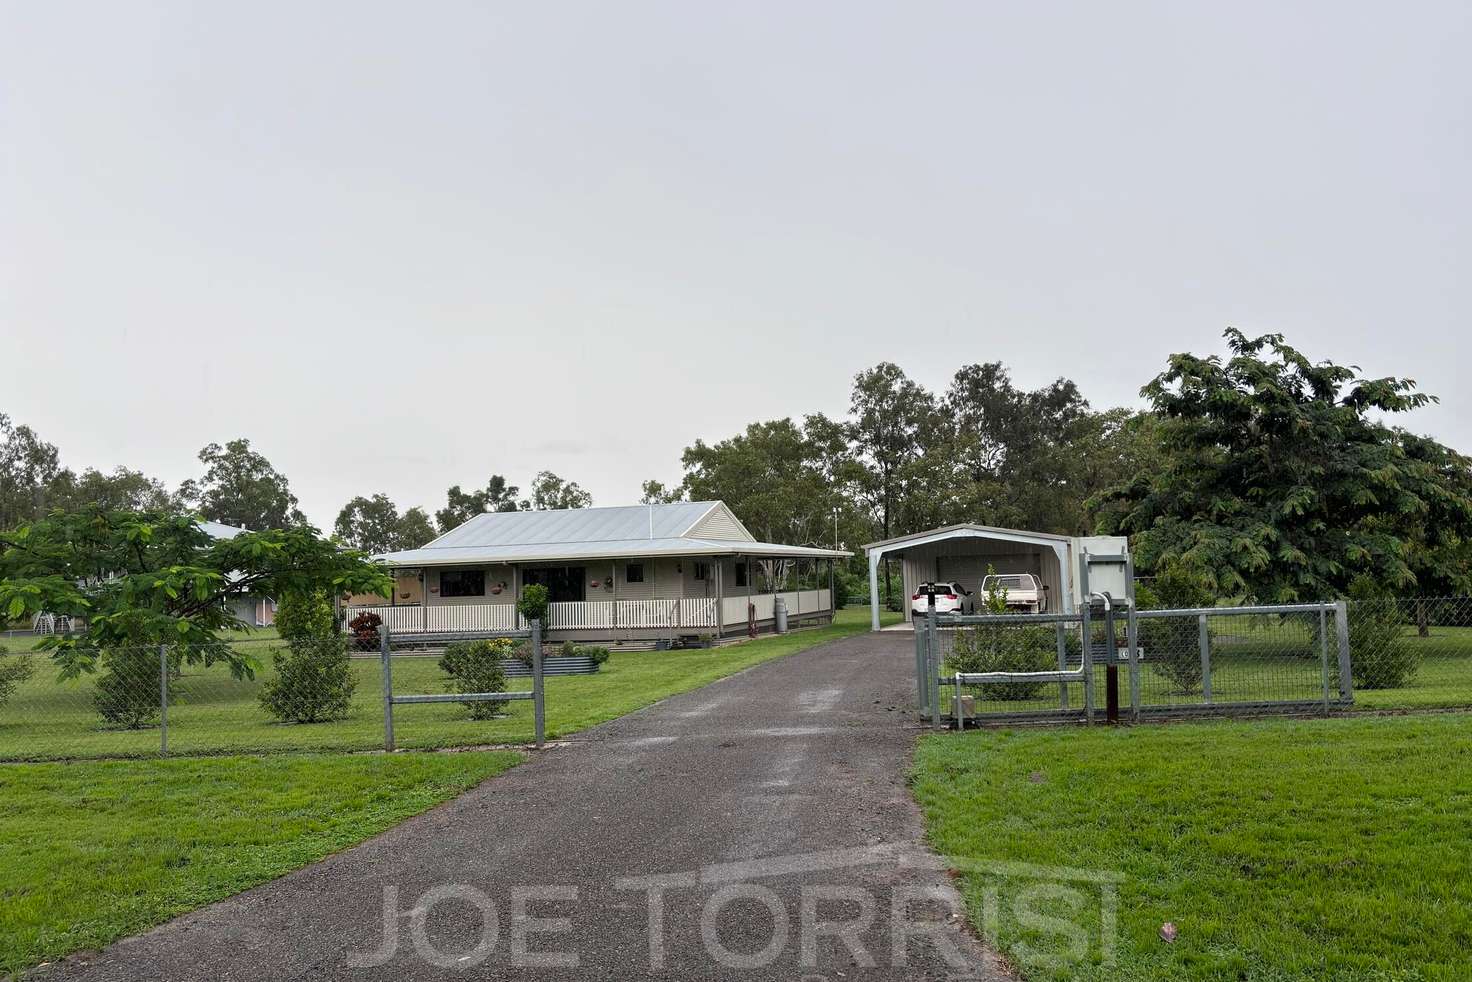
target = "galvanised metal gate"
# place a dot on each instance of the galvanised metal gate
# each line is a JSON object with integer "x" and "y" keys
{"x": 1110, "y": 662}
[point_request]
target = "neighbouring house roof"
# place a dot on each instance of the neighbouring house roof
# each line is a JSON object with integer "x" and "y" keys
{"x": 218, "y": 530}
{"x": 683, "y": 528}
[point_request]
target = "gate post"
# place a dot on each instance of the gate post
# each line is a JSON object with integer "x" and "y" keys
{"x": 1203, "y": 641}
{"x": 1132, "y": 639}
{"x": 1324, "y": 655}
{"x": 1087, "y": 629}
{"x": 539, "y": 707}
{"x": 163, "y": 700}
{"x": 1346, "y": 672}
{"x": 922, "y": 659}
{"x": 384, "y": 651}
{"x": 932, "y": 664}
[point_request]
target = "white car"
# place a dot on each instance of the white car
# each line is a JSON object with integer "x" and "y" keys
{"x": 950, "y": 598}
{"x": 1025, "y": 592}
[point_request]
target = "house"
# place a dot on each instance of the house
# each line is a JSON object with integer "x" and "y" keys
{"x": 635, "y": 573}
{"x": 963, "y": 553}
{"x": 255, "y": 610}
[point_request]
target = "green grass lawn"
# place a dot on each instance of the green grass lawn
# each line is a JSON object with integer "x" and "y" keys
{"x": 214, "y": 713}
{"x": 94, "y": 851}
{"x": 1282, "y": 850}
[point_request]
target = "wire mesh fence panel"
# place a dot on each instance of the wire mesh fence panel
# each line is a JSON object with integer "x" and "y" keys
{"x": 255, "y": 696}
{"x": 1250, "y": 659}
{"x": 1411, "y": 653}
{"x": 1018, "y": 646}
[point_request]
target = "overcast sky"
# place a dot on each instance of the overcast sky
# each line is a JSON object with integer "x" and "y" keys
{"x": 401, "y": 246}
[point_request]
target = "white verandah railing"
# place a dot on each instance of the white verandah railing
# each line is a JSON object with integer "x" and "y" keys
{"x": 591, "y": 615}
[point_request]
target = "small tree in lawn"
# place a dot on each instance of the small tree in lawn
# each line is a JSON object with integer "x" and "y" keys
{"x": 314, "y": 678}
{"x": 478, "y": 666}
{"x": 1173, "y": 644}
{"x": 141, "y": 579}
{"x": 1381, "y": 656}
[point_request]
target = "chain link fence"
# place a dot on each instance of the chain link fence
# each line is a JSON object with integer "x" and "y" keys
{"x": 1369, "y": 654}
{"x": 262, "y": 696}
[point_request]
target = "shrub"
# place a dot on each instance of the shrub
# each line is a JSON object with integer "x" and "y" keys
{"x": 477, "y": 666}
{"x": 568, "y": 650}
{"x": 127, "y": 692}
{"x": 14, "y": 669}
{"x": 1380, "y": 655}
{"x": 314, "y": 681}
{"x": 596, "y": 653}
{"x": 999, "y": 648}
{"x": 1173, "y": 644}
{"x": 365, "y": 631}
{"x": 306, "y": 615}
{"x": 533, "y": 603}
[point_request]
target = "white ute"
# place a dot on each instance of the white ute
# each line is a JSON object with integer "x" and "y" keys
{"x": 1025, "y": 592}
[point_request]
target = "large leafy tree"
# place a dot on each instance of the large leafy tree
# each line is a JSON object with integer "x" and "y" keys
{"x": 461, "y": 506}
{"x": 28, "y": 468}
{"x": 374, "y": 525}
{"x": 120, "y": 490}
{"x": 550, "y": 492}
{"x": 889, "y": 413}
{"x": 1277, "y": 480}
{"x": 146, "y": 578}
{"x": 241, "y": 488}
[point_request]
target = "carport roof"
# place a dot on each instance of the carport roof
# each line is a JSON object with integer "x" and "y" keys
{"x": 962, "y": 531}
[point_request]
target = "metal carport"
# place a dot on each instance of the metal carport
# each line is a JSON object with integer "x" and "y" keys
{"x": 962, "y": 552}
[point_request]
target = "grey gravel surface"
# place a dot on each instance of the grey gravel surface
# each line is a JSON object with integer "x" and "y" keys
{"x": 758, "y": 828}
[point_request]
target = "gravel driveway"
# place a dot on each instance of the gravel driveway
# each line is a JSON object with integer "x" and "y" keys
{"x": 756, "y": 828}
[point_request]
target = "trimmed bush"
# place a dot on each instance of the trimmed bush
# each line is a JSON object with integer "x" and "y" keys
{"x": 127, "y": 692}
{"x": 477, "y": 666}
{"x": 1173, "y": 644}
{"x": 1380, "y": 656}
{"x": 533, "y": 603}
{"x": 314, "y": 682}
{"x": 597, "y": 653}
{"x": 999, "y": 648}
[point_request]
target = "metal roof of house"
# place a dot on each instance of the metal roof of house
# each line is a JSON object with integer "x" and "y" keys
{"x": 629, "y": 532}
{"x": 219, "y": 530}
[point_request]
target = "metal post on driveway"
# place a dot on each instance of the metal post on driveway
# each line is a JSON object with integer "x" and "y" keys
{"x": 384, "y": 653}
{"x": 163, "y": 700}
{"x": 539, "y": 707}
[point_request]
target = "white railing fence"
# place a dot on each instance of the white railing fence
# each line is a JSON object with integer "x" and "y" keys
{"x": 592, "y": 615}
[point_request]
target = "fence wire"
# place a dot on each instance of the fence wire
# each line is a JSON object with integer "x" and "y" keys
{"x": 242, "y": 696}
{"x": 1403, "y": 654}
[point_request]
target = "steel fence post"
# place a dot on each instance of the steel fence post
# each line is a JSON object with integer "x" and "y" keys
{"x": 538, "y": 705}
{"x": 1086, "y": 629}
{"x": 932, "y": 664}
{"x": 1203, "y": 641}
{"x": 385, "y": 656}
{"x": 1062, "y": 637}
{"x": 1346, "y": 673}
{"x": 1324, "y": 654}
{"x": 1132, "y": 639}
{"x": 163, "y": 700}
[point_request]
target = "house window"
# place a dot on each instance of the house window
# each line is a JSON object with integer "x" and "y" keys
{"x": 702, "y": 571}
{"x": 463, "y": 583}
{"x": 634, "y": 573}
{"x": 741, "y": 574}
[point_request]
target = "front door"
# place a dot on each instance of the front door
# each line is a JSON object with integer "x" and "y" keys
{"x": 565, "y": 584}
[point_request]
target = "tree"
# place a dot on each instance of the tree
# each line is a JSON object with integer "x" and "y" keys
{"x": 28, "y": 467}
{"x": 121, "y": 490}
{"x": 314, "y": 679}
{"x": 550, "y": 492}
{"x": 655, "y": 493}
{"x": 140, "y": 579}
{"x": 461, "y": 506}
{"x": 1276, "y": 478}
{"x": 374, "y": 525}
{"x": 241, "y": 488}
